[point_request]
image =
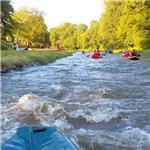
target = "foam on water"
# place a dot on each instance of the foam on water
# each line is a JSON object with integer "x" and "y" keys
{"x": 31, "y": 102}
{"x": 95, "y": 115}
{"x": 129, "y": 138}
{"x": 99, "y": 96}
{"x": 62, "y": 124}
{"x": 9, "y": 124}
{"x": 31, "y": 109}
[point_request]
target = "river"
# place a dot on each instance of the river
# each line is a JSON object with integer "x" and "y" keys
{"x": 99, "y": 104}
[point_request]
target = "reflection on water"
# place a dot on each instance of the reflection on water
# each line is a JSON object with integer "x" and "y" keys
{"x": 100, "y": 104}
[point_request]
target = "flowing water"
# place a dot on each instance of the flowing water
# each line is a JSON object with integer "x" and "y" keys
{"x": 99, "y": 104}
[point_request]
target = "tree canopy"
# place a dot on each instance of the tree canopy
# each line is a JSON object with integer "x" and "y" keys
{"x": 67, "y": 35}
{"x": 7, "y": 23}
{"x": 123, "y": 24}
{"x": 30, "y": 26}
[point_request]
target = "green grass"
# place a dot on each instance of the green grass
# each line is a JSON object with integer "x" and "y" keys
{"x": 11, "y": 59}
{"x": 145, "y": 53}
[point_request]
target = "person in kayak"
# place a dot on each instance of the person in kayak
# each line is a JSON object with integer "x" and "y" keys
{"x": 127, "y": 53}
{"x": 134, "y": 53}
{"x": 83, "y": 52}
{"x": 97, "y": 52}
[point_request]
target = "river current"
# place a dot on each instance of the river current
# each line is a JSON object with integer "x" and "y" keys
{"x": 101, "y": 104}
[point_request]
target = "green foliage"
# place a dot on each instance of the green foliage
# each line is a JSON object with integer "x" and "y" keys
{"x": 7, "y": 23}
{"x": 145, "y": 53}
{"x": 93, "y": 34}
{"x": 134, "y": 24}
{"x": 126, "y": 24}
{"x": 83, "y": 41}
{"x": 54, "y": 36}
{"x": 80, "y": 34}
{"x": 6, "y": 46}
{"x": 30, "y": 26}
{"x": 67, "y": 35}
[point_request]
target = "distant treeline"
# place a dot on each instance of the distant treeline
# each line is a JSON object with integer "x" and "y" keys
{"x": 124, "y": 24}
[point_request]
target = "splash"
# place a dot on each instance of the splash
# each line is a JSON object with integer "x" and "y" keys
{"x": 31, "y": 102}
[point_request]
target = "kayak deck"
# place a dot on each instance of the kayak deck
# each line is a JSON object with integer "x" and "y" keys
{"x": 38, "y": 138}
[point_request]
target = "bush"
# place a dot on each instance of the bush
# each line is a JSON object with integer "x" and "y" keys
{"x": 6, "y": 46}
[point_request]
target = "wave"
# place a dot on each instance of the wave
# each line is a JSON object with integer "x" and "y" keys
{"x": 95, "y": 115}
{"x": 128, "y": 138}
{"x": 31, "y": 102}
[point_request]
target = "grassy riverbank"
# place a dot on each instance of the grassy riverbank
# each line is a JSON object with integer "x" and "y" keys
{"x": 15, "y": 60}
{"x": 145, "y": 53}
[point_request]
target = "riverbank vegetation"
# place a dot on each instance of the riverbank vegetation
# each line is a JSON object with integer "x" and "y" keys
{"x": 12, "y": 59}
{"x": 145, "y": 53}
{"x": 123, "y": 25}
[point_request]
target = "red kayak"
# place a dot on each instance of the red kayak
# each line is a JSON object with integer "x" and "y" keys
{"x": 94, "y": 56}
{"x": 133, "y": 58}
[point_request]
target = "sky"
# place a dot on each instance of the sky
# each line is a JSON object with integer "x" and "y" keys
{"x": 57, "y": 12}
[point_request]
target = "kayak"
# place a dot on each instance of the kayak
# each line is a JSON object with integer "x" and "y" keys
{"x": 133, "y": 58}
{"x": 94, "y": 56}
{"x": 38, "y": 138}
{"x": 104, "y": 54}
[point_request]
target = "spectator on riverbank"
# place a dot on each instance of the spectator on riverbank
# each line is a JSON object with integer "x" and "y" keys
{"x": 14, "y": 46}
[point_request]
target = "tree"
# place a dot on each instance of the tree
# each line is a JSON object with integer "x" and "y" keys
{"x": 108, "y": 24}
{"x": 7, "y": 23}
{"x": 123, "y": 24}
{"x": 83, "y": 40}
{"x": 54, "y": 36}
{"x": 81, "y": 36}
{"x": 68, "y": 35}
{"x": 134, "y": 24}
{"x": 93, "y": 34}
{"x": 30, "y": 27}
